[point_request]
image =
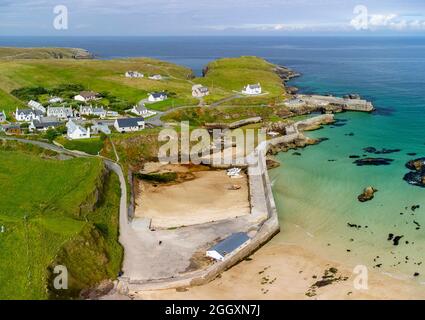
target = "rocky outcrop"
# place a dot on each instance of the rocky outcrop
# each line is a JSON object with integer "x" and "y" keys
{"x": 285, "y": 73}
{"x": 417, "y": 176}
{"x": 367, "y": 195}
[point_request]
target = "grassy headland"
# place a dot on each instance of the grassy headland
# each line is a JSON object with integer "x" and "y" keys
{"x": 46, "y": 210}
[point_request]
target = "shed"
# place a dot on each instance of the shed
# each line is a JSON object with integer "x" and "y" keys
{"x": 227, "y": 246}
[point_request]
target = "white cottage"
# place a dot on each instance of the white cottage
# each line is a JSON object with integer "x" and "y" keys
{"x": 85, "y": 96}
{"x": 252, "y": 89}
{"x": 76, "y": 131}
{"x": 27, "y": 115}
{"x": 228, "y": 246}
{"x": 157, "y": 96}
{"x": 199, "y": 91}
{"x": 36, "y": 106}
{"x": 134, "y": 74}
{"x": 129, "y": 124}
{"x": 60, "y": 112}
{"x": 155, "y": 77}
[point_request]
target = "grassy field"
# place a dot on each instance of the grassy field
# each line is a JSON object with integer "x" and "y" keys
{"x": 91, "y": 146}
{"x": 10, "y": 53}
{"x": 97, "y": 75}
{"x": 47, "y": 209}
{"x": 225, "y": 76}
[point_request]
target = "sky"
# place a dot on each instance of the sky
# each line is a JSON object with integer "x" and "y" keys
{"x": 211, "y": 17}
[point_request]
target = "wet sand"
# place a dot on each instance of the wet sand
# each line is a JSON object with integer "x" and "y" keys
{"x": 288, "y": 271}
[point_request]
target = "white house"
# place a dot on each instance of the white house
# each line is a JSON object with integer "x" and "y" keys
{"x": 76, "y": 131}
{"x": 112, "y": 114}
{"x": 60, "y": 112}
{"x": 228, "y": 246}
{"x": 199, "y": 91}
{"x": 90, "y": 111}
{"x": 85, "y": 96}
{"x": 55, "y": 100}
{"x": 155, "y": 77}
{"x": 129, "y": 124}
{"x": 36, "y": 106}
{"x": 157, "y": 96}
{"x": 44, "y": 124}
{"x": 134, "y": 74}
{"x": 27, "y": 115}
{"x": 3, "y": 117}
{"x": 252, "y": 89}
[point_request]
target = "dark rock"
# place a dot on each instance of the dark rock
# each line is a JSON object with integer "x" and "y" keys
{"x": 373, "y": 162}
{"x": 382, "y": 151}
{"x": 354, "y": 157}
{"x": 397, "y": 239}
{"x": 411, "y": 154}
{"x": 416, "y": 165}
{"x": 296, "y": 154}
{"x": 416, "y": 274}
{"x": 367, "y": 195}
{"x": 415, "y": 178}
{"x": 390, "y": 237}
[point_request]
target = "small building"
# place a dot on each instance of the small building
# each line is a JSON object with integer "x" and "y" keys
{"x": 60, "y": 112}
{"x": 55, "y": 100}
{"x": 86, "y": 110}
{"x": 156, "y": 77}
{"x": 86, "y": 96}
{"x": 12, "y": 129}
{"x": 27, "y": 115}
{"x": 199, "y": 91}
{"x": 134, "y": 74}
{"x": 129, "y": 124}
{"x": 112, "y": 114}
{"x": 228, "y": 246}
{"x": 3, "y": 117}
{"x": 44, "y": 124}
{"x": 36, "y": 106}
{"x": 252, "y": 89}
{"x": 76, "y": 131}
{"x": 157, "y": 96}
{"x": 140, "y": 110}
{"x": 100, "y": 128}
{"x": 99, "y": 112}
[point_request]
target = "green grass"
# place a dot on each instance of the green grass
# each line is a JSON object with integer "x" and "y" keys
{"x": 47, "y": 207}
{"x": 91, "y": 146}
{"x": 231, "y": 74}
{"x": 98, "y": 75}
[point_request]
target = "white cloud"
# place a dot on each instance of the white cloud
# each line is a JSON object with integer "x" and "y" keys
{"x": 392, "y": 22}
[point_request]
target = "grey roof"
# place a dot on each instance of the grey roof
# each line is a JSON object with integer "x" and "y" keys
{"x": 44, "y": 124}
{"x": 158, "y": 94}
{"x": 129, "y": 122}
{"x": 29, "y": 111}
{"x": 254, "y": 86}
{"x": 231, "y": 243}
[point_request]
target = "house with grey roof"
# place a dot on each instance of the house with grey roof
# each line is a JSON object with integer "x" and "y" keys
{"x": 27, "y": 115}
{"x": 252, "y": 89}
{"x": 3, "y": 117}
{"x": 199, "y": 91}
{"x": 60, "y": 112}
{"x": 44, "y": 124}
{"x": 157, "y": 96}
{"x": 85, "y": 96}
{"x": 36, "y": 106}
{"x": 133, "y": 74}
{"x": 129, "y": 124}
{"x": 228, "y": 246}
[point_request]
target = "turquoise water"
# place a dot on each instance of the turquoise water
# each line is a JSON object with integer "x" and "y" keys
{"x": 316, "y": 198}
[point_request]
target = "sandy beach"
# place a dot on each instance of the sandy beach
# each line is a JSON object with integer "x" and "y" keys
{"x": 287, "y": 271}
{"x": 206, "y": 198}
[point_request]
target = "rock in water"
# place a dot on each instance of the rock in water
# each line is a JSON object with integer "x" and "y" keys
{"x": 373, "y": 162}
{"x": 367, "y": 195}
{"x": 417, "y": 164}
{"x": 416, "y": 177}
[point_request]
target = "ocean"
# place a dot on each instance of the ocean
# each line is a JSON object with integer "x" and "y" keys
{"x": 316, "y": 193}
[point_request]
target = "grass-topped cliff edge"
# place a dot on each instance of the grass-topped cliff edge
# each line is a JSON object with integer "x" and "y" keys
{"x": 55, "y": 212}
